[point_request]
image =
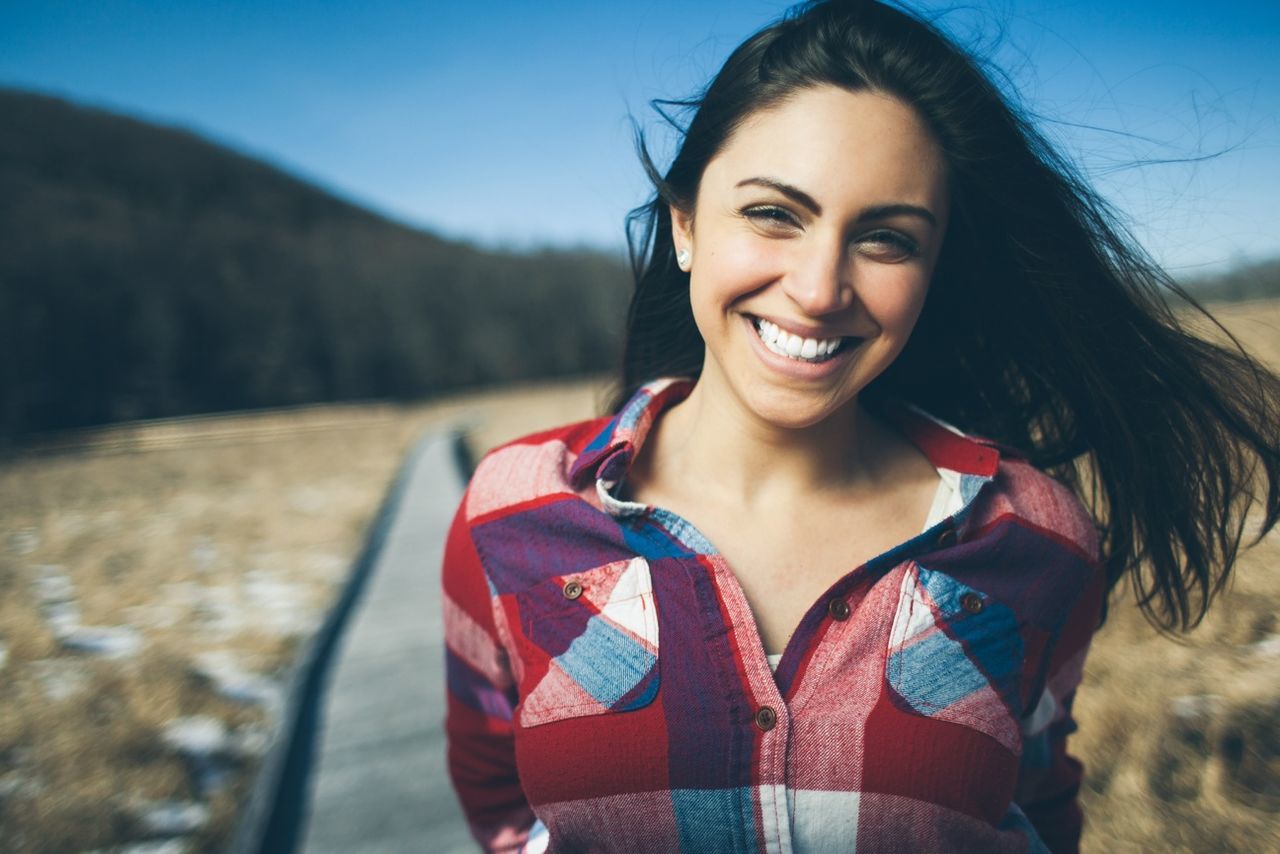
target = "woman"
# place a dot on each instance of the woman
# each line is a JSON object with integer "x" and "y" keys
{"x": 858, "y": 245}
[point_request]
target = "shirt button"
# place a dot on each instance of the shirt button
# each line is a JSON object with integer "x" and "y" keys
{"x": 972, "y": 603}
{"x": 839, "y": 609}
{"x": 766, "y": 718}
{"x": 947, "y": 537}
{"x": 572, "y": 590}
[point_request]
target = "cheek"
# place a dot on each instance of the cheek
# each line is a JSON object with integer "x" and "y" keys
{"x": 730, "y": 267}
{"x": 895, "y": 296}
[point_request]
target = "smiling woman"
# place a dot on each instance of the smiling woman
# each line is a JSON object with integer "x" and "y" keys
{"x": 824, "y": 249}
{"x": 825, "y": 578}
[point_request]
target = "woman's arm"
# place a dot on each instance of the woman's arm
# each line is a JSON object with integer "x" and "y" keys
{"x": 481, "y": 699}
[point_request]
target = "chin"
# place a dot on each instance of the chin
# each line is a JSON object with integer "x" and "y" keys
{"x": 791, "y": 409}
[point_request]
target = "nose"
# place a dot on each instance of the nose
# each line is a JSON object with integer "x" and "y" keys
{"x": 818, "y": 280}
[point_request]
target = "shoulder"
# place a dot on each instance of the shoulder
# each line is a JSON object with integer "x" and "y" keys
{"x": 1029, "y": 497}
{"x": 528, "y": 469}
{"x": 1016, "y": 492}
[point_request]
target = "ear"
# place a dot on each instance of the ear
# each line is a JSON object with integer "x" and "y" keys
{"x": 681, "y": 229}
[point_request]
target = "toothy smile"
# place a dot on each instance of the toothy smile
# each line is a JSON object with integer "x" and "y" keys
{"x": 794, "y": 346}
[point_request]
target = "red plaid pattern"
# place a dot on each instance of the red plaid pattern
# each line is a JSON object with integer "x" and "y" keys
{"x": 608, "y": 690}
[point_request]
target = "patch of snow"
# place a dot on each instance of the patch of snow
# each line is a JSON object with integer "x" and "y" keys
{"x": 171, "y": 818}
{"x": 210, "y": 663}
{"x": 60, "y": 679}
{"x": 63, "y": 618}
{"x": 24, "y": 541}
{"x": 232, "y": 681}
{"x": 196, "y": 737}
{"x": 278, "y": 605}
{"x": 1192, "y": 708}
{"x": 156, "y": 846}
{"x": 1268, "y": 647}
{"x": 52, "y": 584}
{"x": 103, "y": 641}
{"x": 253, "y": 690}
{"x": 57, "y": 597}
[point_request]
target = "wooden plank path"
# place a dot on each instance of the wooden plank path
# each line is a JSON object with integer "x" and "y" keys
{"x": 379, "y": 782}
{"x": 359, "y": 764}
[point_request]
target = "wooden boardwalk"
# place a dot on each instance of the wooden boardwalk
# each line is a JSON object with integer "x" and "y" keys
{"x": 378, "y": 781}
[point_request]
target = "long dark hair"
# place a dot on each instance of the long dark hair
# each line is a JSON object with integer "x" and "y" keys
{"x": 1046, "y": 327}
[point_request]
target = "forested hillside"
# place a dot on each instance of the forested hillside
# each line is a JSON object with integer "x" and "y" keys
{"x": 148, "y": 272}
{"x": 1259, "y": 280}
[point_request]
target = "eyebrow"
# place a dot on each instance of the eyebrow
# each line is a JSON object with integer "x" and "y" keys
{"x": 873, "y": 213}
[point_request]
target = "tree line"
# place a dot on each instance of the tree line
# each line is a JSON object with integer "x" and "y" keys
{"x": 147, "y": 272}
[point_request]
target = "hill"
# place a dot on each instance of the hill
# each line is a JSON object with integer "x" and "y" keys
{"x": 1259, "y": 280}
{"x": 149, "y": 272}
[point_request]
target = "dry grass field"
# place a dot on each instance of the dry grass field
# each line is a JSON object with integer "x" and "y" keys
{"x": 212, "y": 547}
{"x": 1181, "y": 738}
{"x": 215, "y": 544}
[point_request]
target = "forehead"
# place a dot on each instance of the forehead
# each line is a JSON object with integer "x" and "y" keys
{"x": 837, "y": 145}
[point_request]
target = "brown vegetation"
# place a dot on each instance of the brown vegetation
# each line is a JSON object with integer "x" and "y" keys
{"x": 1181, "y": 738}
{"x": 181, "y": 529}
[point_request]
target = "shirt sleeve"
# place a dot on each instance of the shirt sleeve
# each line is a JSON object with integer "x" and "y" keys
{"x": 481, "y": 698}
{"x": 1049, "y": 778}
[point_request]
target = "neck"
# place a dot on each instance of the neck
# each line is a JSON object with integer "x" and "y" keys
{"x": 742, "y": 460}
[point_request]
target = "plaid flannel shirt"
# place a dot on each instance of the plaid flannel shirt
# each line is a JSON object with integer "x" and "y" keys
{"x": 608, "y": 690}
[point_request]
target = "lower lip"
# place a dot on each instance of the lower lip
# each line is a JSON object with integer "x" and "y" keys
{"x": 794, "y": 368}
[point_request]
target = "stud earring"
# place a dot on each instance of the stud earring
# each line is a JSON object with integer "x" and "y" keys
{"x": 682, "y": 259}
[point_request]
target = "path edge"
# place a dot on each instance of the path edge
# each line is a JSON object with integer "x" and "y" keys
{"x": 272, "y": 818}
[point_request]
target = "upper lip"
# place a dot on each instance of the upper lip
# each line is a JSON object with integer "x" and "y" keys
{"x": 804, "y": 330}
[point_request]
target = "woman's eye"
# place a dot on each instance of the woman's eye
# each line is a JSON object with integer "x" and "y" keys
{"x": 888, "y": 245}
{"x": 773, "y": 217}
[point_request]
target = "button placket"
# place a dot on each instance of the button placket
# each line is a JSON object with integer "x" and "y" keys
{"x": 773, "y": 722}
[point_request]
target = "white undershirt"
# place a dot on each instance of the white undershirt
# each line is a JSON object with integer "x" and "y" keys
{"x": 946, "y": 501}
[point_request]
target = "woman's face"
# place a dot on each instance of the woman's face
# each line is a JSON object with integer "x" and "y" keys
{"x": 811, "y": 244}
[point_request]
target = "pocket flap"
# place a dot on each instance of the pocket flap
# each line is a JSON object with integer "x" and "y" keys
{"x": 591, "y": 638}
{"x": 956, "y": 654}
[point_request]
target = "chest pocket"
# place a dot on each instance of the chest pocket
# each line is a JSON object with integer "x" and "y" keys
{"x": 956, "y": 654}
{"x": 589, "y": 642}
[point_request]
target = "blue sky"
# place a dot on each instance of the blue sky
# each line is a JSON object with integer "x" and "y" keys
{"x": 508, "y": 123}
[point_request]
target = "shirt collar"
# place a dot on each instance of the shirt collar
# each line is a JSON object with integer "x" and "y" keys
{"x": 608, "y": 456}
{"x": 970, "y": 460}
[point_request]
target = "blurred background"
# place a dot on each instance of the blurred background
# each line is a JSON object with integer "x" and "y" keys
{"x": 250, "y": 251}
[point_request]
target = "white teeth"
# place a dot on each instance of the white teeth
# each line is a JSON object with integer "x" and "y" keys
{"x": 785, "y": 344}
